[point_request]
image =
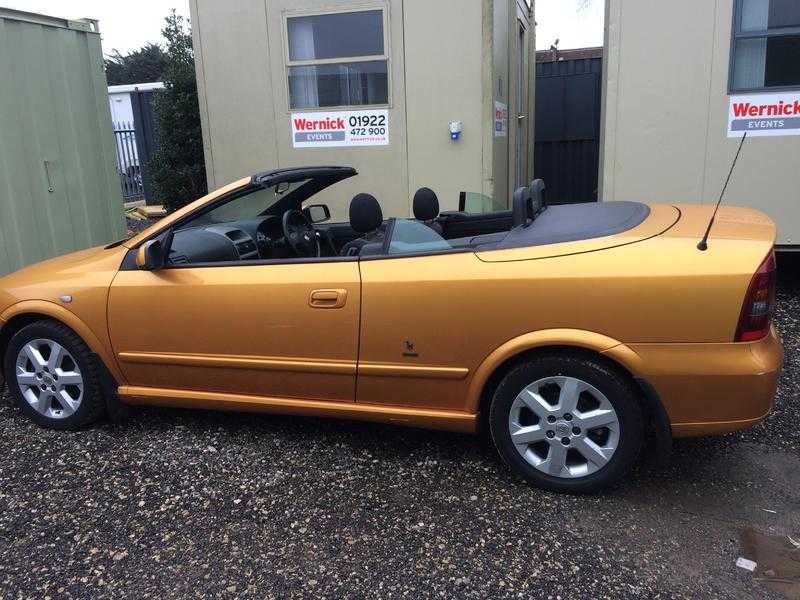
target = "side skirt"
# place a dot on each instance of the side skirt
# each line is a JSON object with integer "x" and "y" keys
{"x": 424, "y": 418}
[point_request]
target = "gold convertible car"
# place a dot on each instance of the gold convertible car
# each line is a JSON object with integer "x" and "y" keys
{"x": 575, "y": 334}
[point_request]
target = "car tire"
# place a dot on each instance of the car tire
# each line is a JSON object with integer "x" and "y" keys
{"x": 53, "y": 376}
{"x": 567, "y": 422}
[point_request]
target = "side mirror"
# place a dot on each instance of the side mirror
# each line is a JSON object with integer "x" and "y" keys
{"x": 150, "y": 256}
{"x": 317, "y": 213}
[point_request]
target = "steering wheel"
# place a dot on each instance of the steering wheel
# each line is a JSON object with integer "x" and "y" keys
{"x": 300, "y": 234}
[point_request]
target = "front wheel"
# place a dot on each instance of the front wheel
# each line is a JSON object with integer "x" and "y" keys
{"x": 53, "y": 376}
{"x": 567, "y": 423}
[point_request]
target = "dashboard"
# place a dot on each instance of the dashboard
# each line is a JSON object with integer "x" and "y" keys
{"x": 253, "y": 239}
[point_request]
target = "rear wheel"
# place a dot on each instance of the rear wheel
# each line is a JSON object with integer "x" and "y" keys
{"x": 53, "y": 376}
{"x": 567, "y": 423}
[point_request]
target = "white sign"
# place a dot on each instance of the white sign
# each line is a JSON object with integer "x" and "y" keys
{"x": 762, "y": 115}
{"x": 500, "y": 119}
{"x": 340, "y": 128}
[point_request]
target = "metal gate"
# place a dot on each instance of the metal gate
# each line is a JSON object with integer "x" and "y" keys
{"x": 143, "y": 121}
{"x": 567, "y": 146}
{"x": 135, "y": 145}
{"x": 128, "y": 166}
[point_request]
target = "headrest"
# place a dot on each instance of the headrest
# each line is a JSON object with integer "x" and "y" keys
{"x": 426, "y": 205}
{"x": 519, "y": 207}
{"x": 528, "y": 202}
{"x": 538, "y": 190}
{"x": 365, "y": 213}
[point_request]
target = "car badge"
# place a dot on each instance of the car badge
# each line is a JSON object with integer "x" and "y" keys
{"x": 410, "y": 351}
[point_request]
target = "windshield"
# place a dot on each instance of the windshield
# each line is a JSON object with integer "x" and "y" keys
{"x": 249, "y": 205}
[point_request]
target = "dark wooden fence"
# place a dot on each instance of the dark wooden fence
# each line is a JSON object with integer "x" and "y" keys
{"x": 567, "y": 145}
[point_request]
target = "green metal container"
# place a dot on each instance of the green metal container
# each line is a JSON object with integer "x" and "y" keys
{"x": 59, "y": 188}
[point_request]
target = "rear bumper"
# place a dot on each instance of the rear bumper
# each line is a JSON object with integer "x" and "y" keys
{"x": 709, "y": 389}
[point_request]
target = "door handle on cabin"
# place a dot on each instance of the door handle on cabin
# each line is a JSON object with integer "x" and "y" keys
{"x": 328, "y": 299}
{"x": 50, "y": 187}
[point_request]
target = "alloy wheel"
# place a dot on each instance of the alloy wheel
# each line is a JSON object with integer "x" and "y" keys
{"x": 49, "y": 378}
{"x": 564, "y": 427}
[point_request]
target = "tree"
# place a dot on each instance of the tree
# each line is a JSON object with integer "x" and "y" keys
{"x": 177, "y": 167}
{"x": 140, "y": 66}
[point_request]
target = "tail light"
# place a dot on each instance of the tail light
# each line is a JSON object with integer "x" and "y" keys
{"x": 759, "y": 304}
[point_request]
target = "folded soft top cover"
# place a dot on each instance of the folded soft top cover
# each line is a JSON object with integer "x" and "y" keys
{"x": 569, "y": 223}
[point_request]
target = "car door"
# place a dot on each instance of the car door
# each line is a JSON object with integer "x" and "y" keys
{"x": 268, "y": 328}
{"x": 276, "y": 330}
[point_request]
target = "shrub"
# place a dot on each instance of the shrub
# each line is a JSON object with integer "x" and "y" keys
{"x": 177, "y": 167}
{"x": 140, "y": 66}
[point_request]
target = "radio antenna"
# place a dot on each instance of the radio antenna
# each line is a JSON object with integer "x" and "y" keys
{"x": 703, "y": 245}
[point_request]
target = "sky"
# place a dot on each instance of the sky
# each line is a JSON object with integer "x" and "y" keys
{"x": 126, "y": 25}
{"x": 575, "y": 23}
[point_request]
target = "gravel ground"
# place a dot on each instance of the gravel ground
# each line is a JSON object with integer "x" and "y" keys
{"x": 178, "y": 504}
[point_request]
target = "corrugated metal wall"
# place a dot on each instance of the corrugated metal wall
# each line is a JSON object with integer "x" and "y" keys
{"x": 567, "y": 149}
{"x": 58, "y": 185}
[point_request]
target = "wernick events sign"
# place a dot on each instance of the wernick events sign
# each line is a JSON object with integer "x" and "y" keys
{"x": 764, "y": 115}
{"x": 340, "y": 128}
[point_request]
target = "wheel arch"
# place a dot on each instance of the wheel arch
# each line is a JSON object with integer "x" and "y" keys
{"x": 502, "y": 359}
{"x": 22, "y": 314}
{"x": 597, "y": 346}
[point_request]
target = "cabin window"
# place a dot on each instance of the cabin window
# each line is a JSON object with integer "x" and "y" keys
{"x": 766, "y": 45}
{"x": 337, "y": 60}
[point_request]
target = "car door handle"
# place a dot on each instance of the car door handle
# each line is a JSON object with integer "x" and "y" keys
{"x": 328, "y": 299}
